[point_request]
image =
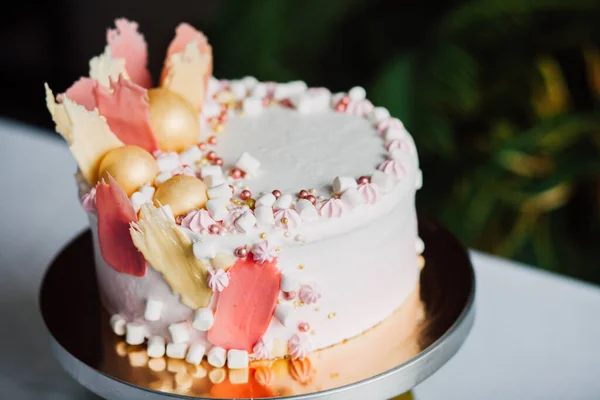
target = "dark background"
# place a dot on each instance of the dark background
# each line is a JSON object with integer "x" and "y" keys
{"x": 500, "y": 95}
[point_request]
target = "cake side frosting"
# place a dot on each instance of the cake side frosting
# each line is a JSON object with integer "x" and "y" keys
{"x": 271, "y": 219}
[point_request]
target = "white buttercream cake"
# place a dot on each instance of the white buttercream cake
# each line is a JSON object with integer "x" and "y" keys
{"x": 279, "y": 221}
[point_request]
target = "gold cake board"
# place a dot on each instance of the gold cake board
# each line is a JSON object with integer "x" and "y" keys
{"x": 389, "y": 359}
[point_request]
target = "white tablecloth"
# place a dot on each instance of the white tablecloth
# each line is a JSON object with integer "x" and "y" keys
{"x": 536, "y": 335}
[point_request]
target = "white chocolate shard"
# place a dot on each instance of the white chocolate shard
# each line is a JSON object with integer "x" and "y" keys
{"x": 104, "y": 67}
{"x": 86, "y": 132}
{"x": 186, "y": 72}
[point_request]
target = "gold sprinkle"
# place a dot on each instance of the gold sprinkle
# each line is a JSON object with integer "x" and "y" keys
{"x": 317, "y": 309}
{"x": 312, "y": 191}
{"x": 219, "y": 128}
{"x": 251, "y": 203}
{"x": 301, "y": 266}
{"x": 286, "y": 234}
{"x": 263, "y": 235}
{"x": 237, "y": 202}
{"x": 284, "y": 220}
{"x": 313, "y": 332}
{"x": 296, "y": 304}
{"x": 331, "y": 315}
{"x": 278, "y": 249}
{"x": 278, "y": 301}
{"x": 334, "y": 375}
{"x": 301, "y": 303}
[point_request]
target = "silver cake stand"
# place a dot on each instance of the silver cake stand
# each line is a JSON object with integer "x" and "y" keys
{"x": 386, "y": 361}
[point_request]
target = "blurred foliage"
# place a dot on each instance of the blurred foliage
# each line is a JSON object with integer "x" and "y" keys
{"x": 502, "y": 97}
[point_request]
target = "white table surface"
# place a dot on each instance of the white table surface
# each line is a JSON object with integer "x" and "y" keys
{"x": 536, "y": 335}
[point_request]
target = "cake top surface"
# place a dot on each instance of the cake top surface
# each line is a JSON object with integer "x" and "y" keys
{"x": 302, "y": 151}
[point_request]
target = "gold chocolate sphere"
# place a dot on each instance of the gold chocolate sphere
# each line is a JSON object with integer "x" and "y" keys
{"x": 183, "y": 193}
{"x": 174, "y": 120}
{"x": 130, "y": 166}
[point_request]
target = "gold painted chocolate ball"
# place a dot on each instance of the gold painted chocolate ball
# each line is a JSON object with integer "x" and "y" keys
{"x": 130, "y": 166}
{"x": 183, "y": 193}
{"x": 174, "y": 120}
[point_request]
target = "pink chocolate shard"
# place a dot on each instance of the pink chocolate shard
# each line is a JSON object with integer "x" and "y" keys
{"x": 245, "y": 308}
{"x": 115, "y": 213}
{"x": 126, "y": 42}
{"x": 127, "y": 113}
{"x": 185, "y": 34}
{"x": 81, "y": 92}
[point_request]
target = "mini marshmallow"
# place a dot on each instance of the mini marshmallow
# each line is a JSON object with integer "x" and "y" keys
{"x": 306, "y": 209}
{"x": 167, "y": 212}
{"x": 209, "y": 170}
{"x": 378, "y": 114}
{"x": 238, "y": 89}
{"x": 195, "y": 354}
{"x": 303, "y": 103}
{"x": 284, "y": 312}
{"x": 179, "y": 332}
{"x": 117, "y": 324}
{"x": 222, "y": 191}
{"x": 342, "y": 183}
{"x": 214, "y": 180}
{"x": 217, "y": 208}
{"x": 252, "y": 106}
{"x": 168, "y": 162}
{"x": 357, "y": 93}
{"x": 148, "y": 191}
{"x": 419, "y": 245}
{"x": 289, "y": 283}
{"x": 248, "y": 163}
{"x": 216, "y": 356}
{"x": 264, "y": 216}
{"x": 203, "y": 250}
{"x": 153, "y": 310}
{"x": 177, "y": 350}
{"x": 419, "y": 179}
{"x": 190, "y": 156}
{"x": 245, "y": 222}
{"x": 383, "y": 180}
{"x": 203, "y": 319}
{"x": 284, "y": 201}
{"x": 259, "y": 90}
{"x": 136, "y": 333}
{"x": 211, "y": 109}
{"x": 213, "y": 86}
{"x": 137, "y": 199}
{"x": 267, "y": 199}
{"x": 352, "y": 198}
{"x": 290, "y": 89}
{"x": 156, "y": 347}
{"x": 249, "y": 82}
{"x": 217, "y": 375}
{"x": 162, "y": 177}
{"x": 393, "y": 133}
{"x": 321, "y": 98}
{"x": 237, "y": 359}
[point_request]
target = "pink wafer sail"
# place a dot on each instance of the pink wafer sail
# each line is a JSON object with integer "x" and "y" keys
{"x": 127, "y": 113}
{"x": 246, "y": 306}
{"x": 115, "y": 213}
{"x": 126, "y": 42}
{"x": 82, "y": 93}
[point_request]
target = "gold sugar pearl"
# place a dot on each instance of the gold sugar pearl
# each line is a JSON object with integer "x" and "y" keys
{"x": 331, "y": 315}
{"x": 263, "y": 235}
{"x": 317, "y": 309}
{"x": 284, "y": 221}
{"x": 312, "y": 191}
{"x": 313, "y": 332}
{"x": 286, "y": 234}
{"x": 296, "y": 304}
{"x": 251, "y": 203}
{"x": 218, "y": 128}
{"x": 277, "y": 249}
{"x": 300, "y": 266}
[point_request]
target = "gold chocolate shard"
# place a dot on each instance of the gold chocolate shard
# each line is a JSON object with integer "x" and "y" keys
{"x": 169, "y": 251}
